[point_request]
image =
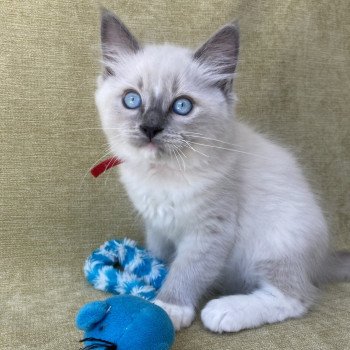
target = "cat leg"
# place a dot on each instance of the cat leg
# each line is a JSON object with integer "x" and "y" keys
{"x": 267, "y": 304}
{"x": 159, "y": 246}
{"x": 198, "y": 263}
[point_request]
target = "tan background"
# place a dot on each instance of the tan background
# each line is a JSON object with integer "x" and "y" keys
{"x": 293, "y": 84}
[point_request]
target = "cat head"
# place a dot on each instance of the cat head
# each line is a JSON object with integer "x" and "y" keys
{"x": 159, "y": 101}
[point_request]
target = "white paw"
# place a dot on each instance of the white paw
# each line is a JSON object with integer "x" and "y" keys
{"x": 181, "y": 316}
{"x": 221, "y": 315}
{"x": 234, "y": 313}
{"x": 218, "y": 318}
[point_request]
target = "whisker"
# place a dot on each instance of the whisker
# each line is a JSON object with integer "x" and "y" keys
{"x": 182, "y": 153}
{"x": 109, "y": 163}
{"x": 98, "y": 343}
{"x": 194, "y": 149}
{"x": 106, "y": 152}
{"x": 183, "y": 162}
{"x": 201, "y": 136}
{"x": 177, "y": 160}
{"x": 86, "y": 129}
{"x": 229, "y": 149}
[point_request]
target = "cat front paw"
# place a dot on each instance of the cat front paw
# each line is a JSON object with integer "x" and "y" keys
{"x": 219, "y": 316}
{"x": 218, "y": 319}
{"x": 181, "y": 316}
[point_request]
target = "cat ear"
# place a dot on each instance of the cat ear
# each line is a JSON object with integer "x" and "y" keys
{"x": 220, "y": 54}
{"x": 116, "y": 39}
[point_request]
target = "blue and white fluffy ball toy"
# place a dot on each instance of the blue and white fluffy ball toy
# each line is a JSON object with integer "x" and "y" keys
{"x": 128, "y": 321}
{"x": 121, "y": 267}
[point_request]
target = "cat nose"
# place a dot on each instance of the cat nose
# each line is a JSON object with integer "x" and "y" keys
{"x": 150, "y": 131}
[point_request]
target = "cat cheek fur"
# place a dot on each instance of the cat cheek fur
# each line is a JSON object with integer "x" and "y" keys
{"x": 232, "y": 209}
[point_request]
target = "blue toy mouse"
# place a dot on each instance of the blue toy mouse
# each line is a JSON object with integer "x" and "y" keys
{"x": 125, "y": 322}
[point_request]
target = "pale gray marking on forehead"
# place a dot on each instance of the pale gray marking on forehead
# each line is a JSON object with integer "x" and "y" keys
{"x": 158, "y": 103}
{"x": 161, "y": 95}
{"x": 140, "y": 83}
{"x": 175, "y": 85}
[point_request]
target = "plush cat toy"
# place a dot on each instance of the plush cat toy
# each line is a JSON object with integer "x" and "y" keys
{"x": 125, "y": 322}
{"x": 128, "y": 321}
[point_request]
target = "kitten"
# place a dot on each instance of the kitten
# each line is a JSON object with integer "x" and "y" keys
{"x": 223, "y": 205}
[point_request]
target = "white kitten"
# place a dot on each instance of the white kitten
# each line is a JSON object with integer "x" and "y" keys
{"x": 222, "y": 204}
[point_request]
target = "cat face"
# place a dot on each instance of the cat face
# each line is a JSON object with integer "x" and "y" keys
{"x": 155, "y": 100}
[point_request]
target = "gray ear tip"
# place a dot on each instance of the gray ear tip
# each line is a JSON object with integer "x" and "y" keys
{"x": 230, "y": 29}
{"x": 105, "y": 12}
{"x": 107, "y": 15}
{"x": 235, "y": 22}
{"x": 114, "y": 34}
{"x": 234, "y": 27}
{"x": 234, "y": 31}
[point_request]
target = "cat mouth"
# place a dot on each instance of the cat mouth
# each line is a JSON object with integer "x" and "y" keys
{"x": 149, "y": 147}
{"x": 155, "y": 148}
{"x": 147, "y": 144}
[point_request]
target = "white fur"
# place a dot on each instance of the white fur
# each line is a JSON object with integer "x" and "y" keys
{"x": 236, "y": 312}
{"x": 236, "y": 212}
{"x": 181, "y": 316}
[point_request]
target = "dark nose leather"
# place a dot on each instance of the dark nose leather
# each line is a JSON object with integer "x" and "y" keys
{"x": 150, "y": 131}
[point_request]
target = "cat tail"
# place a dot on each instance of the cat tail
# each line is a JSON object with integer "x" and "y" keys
{"x": 339, "y": 267}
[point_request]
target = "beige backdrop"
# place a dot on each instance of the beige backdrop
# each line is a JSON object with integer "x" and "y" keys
{"x": 293, "y": 84}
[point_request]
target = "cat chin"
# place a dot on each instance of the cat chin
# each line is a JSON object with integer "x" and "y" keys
{"x": 140, "y": 153}
{"x": 149, "y": 152}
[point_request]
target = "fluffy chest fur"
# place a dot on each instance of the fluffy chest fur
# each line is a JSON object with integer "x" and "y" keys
{"x": 166, "y": 198}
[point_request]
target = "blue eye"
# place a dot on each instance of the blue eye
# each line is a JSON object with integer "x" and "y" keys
{"x": 182, "y": 106}
{"x": 132, "y": 100}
